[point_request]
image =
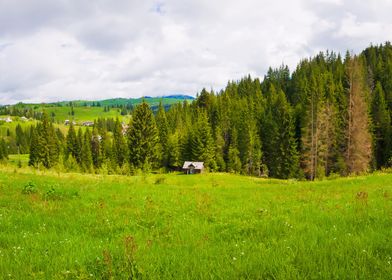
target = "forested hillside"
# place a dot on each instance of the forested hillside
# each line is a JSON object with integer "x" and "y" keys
{"x": 332, "y": 115}
{"x": 83, "y": 110}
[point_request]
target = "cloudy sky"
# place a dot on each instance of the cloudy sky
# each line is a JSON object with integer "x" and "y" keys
{"x": 54, "y": 50}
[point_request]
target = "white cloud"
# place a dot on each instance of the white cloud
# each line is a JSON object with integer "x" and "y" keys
{"x": 61, "y": 50}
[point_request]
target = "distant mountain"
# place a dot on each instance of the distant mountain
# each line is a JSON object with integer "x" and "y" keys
{"x": 180, "y": 96}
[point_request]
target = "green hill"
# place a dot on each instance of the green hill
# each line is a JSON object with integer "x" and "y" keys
{"x": 83, "y": 110}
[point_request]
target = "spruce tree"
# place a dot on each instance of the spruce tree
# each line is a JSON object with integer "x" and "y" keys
{"x": 201, "y": 141}
{"x": 48, "y": 143}
{"x": 174, "y": 151}
{"x": 44, "y": 148}
{"x": 358, "y": 153}
{"x": 219, "y": 149}
{"x": 86, "y": 154}
{"x": 119, "y": 146}
{"x": 78, "y": 148}
{"x": 249, "y": 143}
{"x": 233, "y": 157}
{"x": 142, "y": 138}
{"x": 3, "y": 149}
{"x": 381, "y": 128}
{"x": 21, "y": 140}
{"x": 34, "y": 148}
{"x": 163, "y": 133}
{"x": 96, "y": 148}
{"x": 71, "y": 142}
{"x": 279, "y": 143}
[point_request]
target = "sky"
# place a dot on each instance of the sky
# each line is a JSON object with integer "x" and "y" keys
{"x": 53, "y": 50}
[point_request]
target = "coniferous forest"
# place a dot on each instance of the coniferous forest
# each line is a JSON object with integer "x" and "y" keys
{"x": 331, "y": 115}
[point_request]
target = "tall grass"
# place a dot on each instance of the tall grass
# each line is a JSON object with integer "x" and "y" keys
{"x": 210, "y": 226}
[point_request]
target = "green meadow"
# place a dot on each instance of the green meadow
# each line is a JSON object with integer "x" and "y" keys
{"x": 82, "y": 113}
{"x": 209, "y": 226}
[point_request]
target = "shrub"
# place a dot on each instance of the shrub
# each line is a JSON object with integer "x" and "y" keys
{"x": 30, "y": 188}
{"x": 160, "y": 180}
{"x": 52, "y": 194}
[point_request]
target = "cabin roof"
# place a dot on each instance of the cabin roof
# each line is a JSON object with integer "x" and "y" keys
{"x": 196, "y": 164}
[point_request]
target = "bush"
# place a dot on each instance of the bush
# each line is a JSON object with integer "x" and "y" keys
{"x": 160, "y": 180}
{"x": 54, "y": 194}
{"x": 30, "y": 188}
{"x": 71, "y": 164}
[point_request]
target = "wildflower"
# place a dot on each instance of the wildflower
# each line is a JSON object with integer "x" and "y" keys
{"x": 242, "y": 253}
{"x": 234, "y": 258}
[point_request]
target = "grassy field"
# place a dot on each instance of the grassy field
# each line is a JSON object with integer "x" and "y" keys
{"x": 84, "y": 113}
{"x": 210, "y": 226}
{"x": 15, "y": 160}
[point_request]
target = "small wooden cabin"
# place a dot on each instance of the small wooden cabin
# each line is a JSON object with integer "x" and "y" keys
{"x": 193, "y": 167}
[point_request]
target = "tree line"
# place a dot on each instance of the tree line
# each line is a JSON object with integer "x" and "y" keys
{"x": 332, "y": 115}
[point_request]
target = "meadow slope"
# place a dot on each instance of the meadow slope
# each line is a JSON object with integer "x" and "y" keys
{"x": 210, "y": 226}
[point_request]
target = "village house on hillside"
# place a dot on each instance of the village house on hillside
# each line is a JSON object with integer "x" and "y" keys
{"x": 68, "y": 122}
{"x": 88, "y": 123}
{"x": 7, "y": 119}
{"x": 193, "y": 167}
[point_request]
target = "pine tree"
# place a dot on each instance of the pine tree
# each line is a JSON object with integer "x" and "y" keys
{"x": 233, "y": 157}
{"x": 201, "y": 141}
{"x": 86, "y": 154}
{"x": 358, "y": 154}
{"x": 249, "y": 143}
{"x": 381, "y": 128}
{"x": 106, "y": 146}
{"x": 78, "y": 148}
{"x": 44, "y": 147}
{"x": 3, "y": 149}
{"x": 119, "y": 146}
{"x": 71, "y": 143}
{"x": 142, "y": 138}
{"x": 48, "y": 143}
{"x": 219, "y": 149}
{"x": 34, "y": 148}
{"x": 21, "y": 139}
{"x": 174, "y": 151}
{"x": 96, "y": 148}
{"x": 280, "y": 145}
{"x": 163, "y": 133}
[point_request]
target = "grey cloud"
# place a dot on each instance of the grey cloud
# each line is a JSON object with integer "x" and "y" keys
{"x": 353, "y": 14}
{"x": 65, "y": 49}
